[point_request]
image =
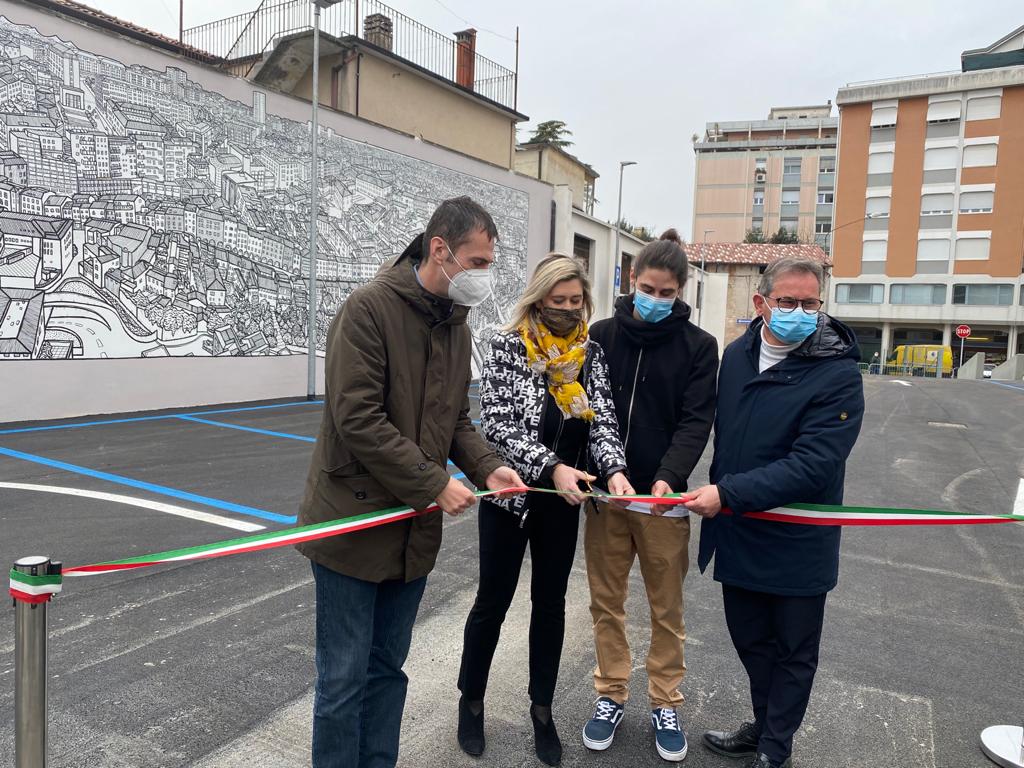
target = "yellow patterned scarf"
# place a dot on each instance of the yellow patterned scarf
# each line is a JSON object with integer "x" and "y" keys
{"x": 561, "y": 360}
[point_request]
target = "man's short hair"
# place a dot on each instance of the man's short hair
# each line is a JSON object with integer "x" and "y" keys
{"x": 456, "y": 220}
{"x": 784, "y": 267}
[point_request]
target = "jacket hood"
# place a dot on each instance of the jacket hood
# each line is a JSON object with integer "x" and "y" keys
{"x": 400, "y": 276}
{"x": 644, "y": 334}
{"x": 831, "y": 339}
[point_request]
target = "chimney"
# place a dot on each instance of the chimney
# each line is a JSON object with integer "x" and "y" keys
{"x": 465, "y": 57}
{"x": 377, "y": 30}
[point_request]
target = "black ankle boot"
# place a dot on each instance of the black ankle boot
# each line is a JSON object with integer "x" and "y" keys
{"x": 471, "y": 728}
{"x": 549, "y": 746}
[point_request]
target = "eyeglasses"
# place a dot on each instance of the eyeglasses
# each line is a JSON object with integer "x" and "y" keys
{"x": 788, "y": 304}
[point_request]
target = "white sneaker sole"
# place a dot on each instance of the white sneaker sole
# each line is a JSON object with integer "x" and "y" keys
{"x": 600, "y": 746}
{"x": 673, "y": 757}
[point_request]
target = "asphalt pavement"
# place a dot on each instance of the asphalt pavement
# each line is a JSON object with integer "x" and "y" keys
{"x": 210, "y": 664}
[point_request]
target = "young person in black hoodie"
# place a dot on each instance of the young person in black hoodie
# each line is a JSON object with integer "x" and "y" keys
{"x": 663, "y": 371}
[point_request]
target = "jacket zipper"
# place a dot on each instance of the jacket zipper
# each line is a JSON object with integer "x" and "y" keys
{"x": 632, "y": 398}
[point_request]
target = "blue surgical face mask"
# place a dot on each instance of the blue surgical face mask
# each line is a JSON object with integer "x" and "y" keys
{"x": 791, "y": 327}
{"x": 650, "y": 309}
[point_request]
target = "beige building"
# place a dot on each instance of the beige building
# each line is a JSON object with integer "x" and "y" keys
{"x": 554, "y": 165}
{"x": 765, "y": 175}
{"x": 740, "y": 266}
{"x": 383, "y": 67}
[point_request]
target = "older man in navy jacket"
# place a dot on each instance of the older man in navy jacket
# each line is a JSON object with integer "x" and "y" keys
{"x": 790, "y": 405}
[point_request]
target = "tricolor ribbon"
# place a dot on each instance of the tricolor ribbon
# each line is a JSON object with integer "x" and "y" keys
{"x": 27, "y": 588}
{"x": 807, "y": 514}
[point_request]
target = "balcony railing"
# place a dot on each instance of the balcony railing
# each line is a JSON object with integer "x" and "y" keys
{"x": 247, "y": 37}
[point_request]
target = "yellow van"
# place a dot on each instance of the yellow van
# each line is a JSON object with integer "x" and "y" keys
{"x": 920, "y": 360}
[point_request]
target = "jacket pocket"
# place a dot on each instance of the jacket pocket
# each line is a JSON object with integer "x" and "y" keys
{"x": 338, "y": 459}
{"x": 346, "y": 493}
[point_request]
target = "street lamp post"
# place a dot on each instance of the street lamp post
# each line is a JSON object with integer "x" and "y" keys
{"x": 618, "y": 220}
{"x": 314, "y": 181}
{"x": 703, "y": 272}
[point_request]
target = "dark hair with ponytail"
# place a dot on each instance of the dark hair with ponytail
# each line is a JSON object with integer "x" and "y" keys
{"x": 664, "y": 253}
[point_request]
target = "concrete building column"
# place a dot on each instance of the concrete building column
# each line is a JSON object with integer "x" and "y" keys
{"x": 886, "y": 340}
{"x": 1011, "y": 342}
{"x": 947, "y": 334}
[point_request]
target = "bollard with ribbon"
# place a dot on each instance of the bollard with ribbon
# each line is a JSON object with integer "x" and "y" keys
{"x": 34, "y": 581}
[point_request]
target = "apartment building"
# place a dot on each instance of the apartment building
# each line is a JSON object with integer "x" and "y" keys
{"x": 767, "y": 174}
{"x": 929, "y": 216}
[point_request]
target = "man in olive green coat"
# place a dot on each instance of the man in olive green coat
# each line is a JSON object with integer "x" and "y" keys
{"x": 396, "y": 408}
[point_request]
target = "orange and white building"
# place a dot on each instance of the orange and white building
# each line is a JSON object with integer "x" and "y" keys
{"x": 928, "y": 231}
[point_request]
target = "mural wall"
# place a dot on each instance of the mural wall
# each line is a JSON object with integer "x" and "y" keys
{"x": 142, "y": 215}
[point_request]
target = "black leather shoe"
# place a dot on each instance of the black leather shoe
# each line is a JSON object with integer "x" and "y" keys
{"x": 548, "y": 745}
{"x": 471, "y": 729}
{"x": 762, "y": 761}
{"x": 739, "y": 743}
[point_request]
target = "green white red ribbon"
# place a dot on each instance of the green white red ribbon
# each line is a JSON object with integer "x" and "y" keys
{"x": 27, "y": 588}
{"x": 807, "y": 514}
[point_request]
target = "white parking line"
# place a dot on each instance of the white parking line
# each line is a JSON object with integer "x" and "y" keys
{"x": 159, "y": 506}
{"x": 1018, "y": 505}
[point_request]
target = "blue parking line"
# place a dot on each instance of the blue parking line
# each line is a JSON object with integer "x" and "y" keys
{"x": 158, "y": 418}
{"x": 269, "y": 432}
{"x": 151, "y": 487}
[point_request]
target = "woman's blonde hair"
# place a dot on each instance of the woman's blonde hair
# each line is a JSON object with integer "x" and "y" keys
{"x": 555, "y": 268}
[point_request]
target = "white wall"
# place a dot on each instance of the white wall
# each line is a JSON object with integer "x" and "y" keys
{"x": 40, "y": 389}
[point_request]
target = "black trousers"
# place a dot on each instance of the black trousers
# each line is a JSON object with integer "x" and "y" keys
{"x": 777, "y": 638}
{"x": 551, "y": 530}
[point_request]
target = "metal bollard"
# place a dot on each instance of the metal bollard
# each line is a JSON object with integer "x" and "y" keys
{"x": 30, "y": 747}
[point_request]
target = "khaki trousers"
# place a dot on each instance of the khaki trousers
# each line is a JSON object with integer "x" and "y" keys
{"x": 614, "y": 537}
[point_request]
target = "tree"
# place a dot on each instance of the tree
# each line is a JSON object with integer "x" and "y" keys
{"x": 754, "y": 236}
{"x": 784, "y": 237}
{"x": 551, "y": 132}
{"x": 644, "y": 233}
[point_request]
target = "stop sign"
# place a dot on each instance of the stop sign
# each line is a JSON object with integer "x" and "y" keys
{"x": 963, "y": 331}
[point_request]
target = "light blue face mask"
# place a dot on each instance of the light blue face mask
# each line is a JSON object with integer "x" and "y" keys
{"x": 650, "y": 309}
{"x": 791, "y": 327}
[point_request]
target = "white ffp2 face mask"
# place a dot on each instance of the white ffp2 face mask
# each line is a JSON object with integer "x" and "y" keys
{"x": 470, "y": 287}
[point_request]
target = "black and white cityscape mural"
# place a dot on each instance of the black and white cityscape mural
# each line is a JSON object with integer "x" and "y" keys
{"x": 143, "y": 215}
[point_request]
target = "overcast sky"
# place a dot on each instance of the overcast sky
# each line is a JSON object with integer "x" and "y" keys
{"x": 635, "y": 80}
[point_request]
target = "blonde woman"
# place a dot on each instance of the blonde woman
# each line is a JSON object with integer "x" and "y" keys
{"x": 546, "y": 406}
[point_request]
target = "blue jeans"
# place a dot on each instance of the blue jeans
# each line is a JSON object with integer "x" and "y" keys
{"x": 363, "y": 632}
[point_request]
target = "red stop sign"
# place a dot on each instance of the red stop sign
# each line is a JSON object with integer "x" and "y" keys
{"x": 963, "y": 331}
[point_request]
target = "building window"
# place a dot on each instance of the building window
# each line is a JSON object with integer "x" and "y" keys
{"x": 983, "y": 107}
{"x": 827, "y": 165}
{"x": 789, "y": 225}
{"x": 976, "y": 202}
{"x": 940, "y": 158}
{"x": 877, "y": 207}
{"x": 759, "y": 197}
{"x": 972, "y": 248}
{"x": 880, "y": 162}
{"x": 757, "y": 225}
{"x": 912, "y": 293}
{"x": 933, "y": 250}
{"x": 791, "y": 165}
{"x": 947, "y": 111}
{"x": 883, "y": 117}
{"x": 982, "y": 295}
{"x": 826, "y": 198}
{"x": 978, "y": 155}
{"x": 791, "y": 197}
{"x": 853, "y": 293}
{"x": 761, "y": 164}
{"x": 937, "y": 204}
{"x": 822, "y": 227}
{"x": 874, "y": 250}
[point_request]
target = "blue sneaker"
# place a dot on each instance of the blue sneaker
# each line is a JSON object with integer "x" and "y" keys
{"x": 668, "y": 734}
{"x": 599, "y": 731}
